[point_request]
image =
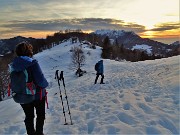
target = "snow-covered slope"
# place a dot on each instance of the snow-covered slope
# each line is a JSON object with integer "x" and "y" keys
{"x": 137, "y": 98}
{"x": 143, "y": 48}
{"x": 110, "y": 33}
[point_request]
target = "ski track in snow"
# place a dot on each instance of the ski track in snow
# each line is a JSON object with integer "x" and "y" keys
{"x": 137, "y": 98}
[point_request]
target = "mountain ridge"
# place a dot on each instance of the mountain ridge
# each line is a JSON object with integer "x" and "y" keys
{"x": 128, "y": 38}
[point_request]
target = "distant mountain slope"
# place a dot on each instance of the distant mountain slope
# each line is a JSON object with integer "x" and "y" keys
{"x": 176, "y": 43}
{"x": 7, "y": 45}
{"x": 129, "y": 39}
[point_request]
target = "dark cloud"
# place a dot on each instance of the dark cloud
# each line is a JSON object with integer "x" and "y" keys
{"x": 62, "y": 24}
{"x": 166, "y": 26}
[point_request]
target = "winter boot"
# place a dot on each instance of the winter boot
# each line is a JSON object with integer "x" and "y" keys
{"x": 102, "y": 79}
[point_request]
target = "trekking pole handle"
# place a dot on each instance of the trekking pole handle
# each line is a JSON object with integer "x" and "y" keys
{"x": 62, "y": 77}
{"x": 56, "y": 75}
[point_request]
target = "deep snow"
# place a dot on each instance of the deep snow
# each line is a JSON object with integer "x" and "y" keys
{"x": 137, "y": 98}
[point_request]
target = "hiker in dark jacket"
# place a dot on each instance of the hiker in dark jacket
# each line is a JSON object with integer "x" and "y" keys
{"x": 100, "y": 71}
{"x": 24, "y": 60}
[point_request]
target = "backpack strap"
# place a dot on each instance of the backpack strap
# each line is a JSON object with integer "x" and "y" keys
{"x": 46, "y": 100}
{"x": 30, "y": 87}
{"x": 45, "y": 97}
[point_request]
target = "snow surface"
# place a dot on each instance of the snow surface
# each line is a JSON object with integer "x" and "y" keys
{"x": 110, "y": 32}
{"x": 113, "y": 33}
{"x": 144, "y": 47}
{"x": 137, "y": 98}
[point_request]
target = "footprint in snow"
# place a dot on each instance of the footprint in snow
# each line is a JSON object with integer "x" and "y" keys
{"x": 126, "y": 118}
{"x": 84, "y": 107}
{"x": 110, "y": 119}
{"x": 148, "y": 99}
{"x": 136, "y": 94}
{"x": 145, "y": 108}
{"x": 126, "y": 106}
{"x": 152, "y": 131}
{"x": 121, "y": 96}
{"x": 111, "y": 130}
{"x": 166, "y": 123}
{"x": 121, "y": 91}
{"x": 115, "y": 101}
{"x": 91, "y": 126}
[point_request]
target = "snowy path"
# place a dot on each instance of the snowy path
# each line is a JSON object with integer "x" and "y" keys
{"x": 133, "y": 100}
{"x": 137, "y": 98}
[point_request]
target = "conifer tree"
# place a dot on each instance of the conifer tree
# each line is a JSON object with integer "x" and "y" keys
{"x": 106, "y": 48}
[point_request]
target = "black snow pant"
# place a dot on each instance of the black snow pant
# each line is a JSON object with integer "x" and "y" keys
{"x": 97, "y": 76}
{"x": 29, "y": 116}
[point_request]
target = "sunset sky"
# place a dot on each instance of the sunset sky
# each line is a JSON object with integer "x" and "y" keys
{"x": 154, "y": 19}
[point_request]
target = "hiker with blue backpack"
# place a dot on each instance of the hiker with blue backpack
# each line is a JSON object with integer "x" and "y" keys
{"x": 99, "y": 67}
{"x": 28, "y": 87}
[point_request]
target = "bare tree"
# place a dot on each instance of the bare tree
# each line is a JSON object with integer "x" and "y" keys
{"x": 78, "y": 59}
{"x": 4, "y": 81}
{"x": 4, "y": 74}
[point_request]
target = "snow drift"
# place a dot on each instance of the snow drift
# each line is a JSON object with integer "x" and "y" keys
{"x": 137, "y": 98}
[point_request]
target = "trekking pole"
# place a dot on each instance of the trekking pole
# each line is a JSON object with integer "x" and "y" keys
{"x": 56, "y": 76}
{"x": 62, "y": 78}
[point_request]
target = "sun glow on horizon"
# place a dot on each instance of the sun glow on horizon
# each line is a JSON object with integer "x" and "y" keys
{"x": 35, "y": 34}
{"x": 169, "y": 36}
{"x": 147, "y": 34}
{"x": 147, "y": 18}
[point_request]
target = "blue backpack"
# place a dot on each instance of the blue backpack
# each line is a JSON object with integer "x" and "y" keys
{"x": 22, "y": 87}
{"x": 96, "y": 66}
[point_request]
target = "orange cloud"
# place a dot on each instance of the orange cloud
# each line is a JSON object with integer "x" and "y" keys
{"x": 34, "y": 34}
{"x": 161, "y": 34}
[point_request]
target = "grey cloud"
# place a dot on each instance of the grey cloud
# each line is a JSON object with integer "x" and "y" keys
{"x": 28, "y": 9}
{"x": 166, "y": 26}
{"x": 62, "y": 24}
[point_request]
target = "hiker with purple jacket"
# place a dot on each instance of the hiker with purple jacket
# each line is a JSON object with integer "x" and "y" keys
{"x": 24, "y": 60}
{"x": 100, "y": 71}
